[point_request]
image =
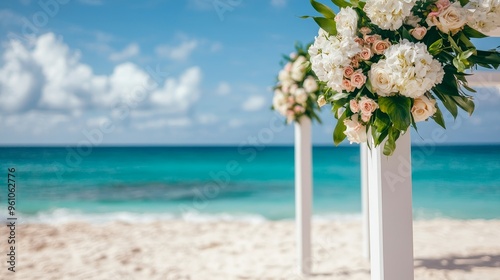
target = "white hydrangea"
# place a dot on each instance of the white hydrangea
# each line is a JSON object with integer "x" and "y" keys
{"x": 484, "y": 15}
{"x": 347, "y": 22}
{"x": 408, "y": 68}
{"x": 388, "y": 14}
{"x": 329, "y": 54}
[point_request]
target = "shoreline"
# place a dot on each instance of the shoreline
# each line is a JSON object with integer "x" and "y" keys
{"x": 443, "y": 249}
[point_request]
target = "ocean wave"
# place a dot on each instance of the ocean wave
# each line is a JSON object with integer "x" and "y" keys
{"x": 63, "y": 215}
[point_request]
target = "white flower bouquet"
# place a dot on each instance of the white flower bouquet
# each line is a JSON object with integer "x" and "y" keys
{"x": 385, "y": 63}
{"x": 297, "y": 89}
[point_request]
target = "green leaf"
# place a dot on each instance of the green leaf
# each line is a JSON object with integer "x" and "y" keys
{"x": 323, "y": 9}
{"x": 466, "y": 41}
{"x": 438, "y": 117}
{"x": 464, "y": 2}
{"x": 390, "y": 144}
{"x": 398, "y": 109}
{"x": 380, "y": 127}
{"x": 471, "y": 32}
{"x": 465, "y": 103}
{"x": 341, "y": 3}
{"x": 338, "y": 133}
{"x": 448, "y": 102}
{"x": 406, "y": 35}
{"x": 449, "y": 84}
{"x": 486, "y": 58}
{"x": 327, "y": 24}
{"x": 453, "y": 43}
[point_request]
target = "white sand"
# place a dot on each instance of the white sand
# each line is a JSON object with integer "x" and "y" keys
{"x": 444, "y": 249}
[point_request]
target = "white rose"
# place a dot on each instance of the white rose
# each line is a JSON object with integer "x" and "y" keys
{"x": 301, "y": 96}
{"x": 451, "y": 20}
{"x": 355, "y": 131}
{"x": 310, "y": 84}
{"x": 423, "y": 108}
{"x": 381, "y": 79}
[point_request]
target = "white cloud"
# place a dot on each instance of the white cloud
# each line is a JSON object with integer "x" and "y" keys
{"x": 254, "y": 103}
{"x": 128, "y": 52}
{"x": 179, "y": 52}
{"x": 42, "y": 84}
{"x": 223, "y": 88}
{"x": 178, "y": 95}
{"x": 278, "y": 3}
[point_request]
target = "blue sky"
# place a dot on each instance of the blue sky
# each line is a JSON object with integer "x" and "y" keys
{"x": 166, "y": 72}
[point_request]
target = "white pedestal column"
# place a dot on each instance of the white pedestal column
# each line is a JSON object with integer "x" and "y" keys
{"x": 365, "y": 219}
{"x": 303, "y": 193}
{"x": 390, "y": 203}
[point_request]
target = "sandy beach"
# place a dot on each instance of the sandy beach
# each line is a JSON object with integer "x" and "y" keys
{"x": 444, "y": 249}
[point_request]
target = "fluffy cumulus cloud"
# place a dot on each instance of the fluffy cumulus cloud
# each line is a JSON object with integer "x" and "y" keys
{"x": 47, "y": 81}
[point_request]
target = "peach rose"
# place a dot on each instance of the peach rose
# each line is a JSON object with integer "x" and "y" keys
{"x": 348, "y": 71}
{"x": 370, "y": 39}
{"x": 346, "y": 84}
{"x": 380, "y": 46}
{"x": 423, "y": 108}
{"x": 365, "y": 30}
{"x": 418, "y": 32}
{"x": 367, "y": 106}
{"x": 359, "y": 41}
{"x": 354, "y": 106}
{"x": 358, "y": 79}
{"x": 355, "y": 62}
{"x": 366, "y": 53}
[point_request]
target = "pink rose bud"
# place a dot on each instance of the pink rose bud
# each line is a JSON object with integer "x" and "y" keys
{"x": 288, "y": 67}
{"x": 418, "y": 32}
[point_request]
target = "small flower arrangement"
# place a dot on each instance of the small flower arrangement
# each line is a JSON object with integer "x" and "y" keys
{"x": 297, "y": 89}
{"x": 385, "y": 63}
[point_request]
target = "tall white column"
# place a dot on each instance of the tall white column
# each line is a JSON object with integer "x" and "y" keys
{"x": 390, "y": 203}
{"x": 365, "y": 219}
{"x": 303, "y": 193}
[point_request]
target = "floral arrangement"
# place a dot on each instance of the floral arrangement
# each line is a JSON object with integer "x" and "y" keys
{"x": 385, "y": 63}
{"x": 297, "y": 89}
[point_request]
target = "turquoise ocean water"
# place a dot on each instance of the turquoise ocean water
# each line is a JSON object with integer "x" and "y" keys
{"x": 203, "y": 183}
